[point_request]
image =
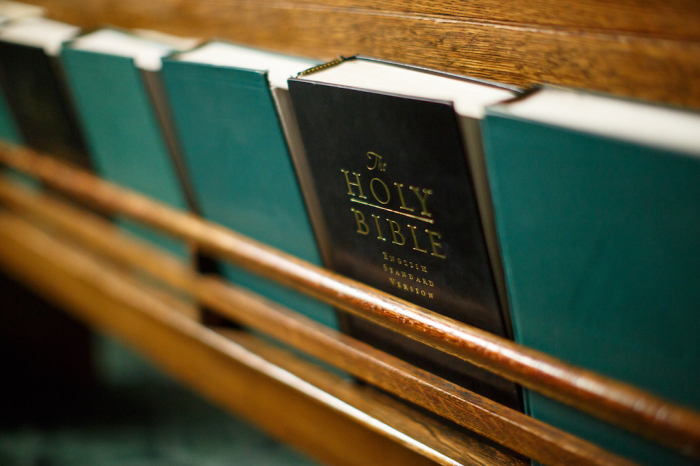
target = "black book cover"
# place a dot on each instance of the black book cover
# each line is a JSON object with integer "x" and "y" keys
{"x": 399, "y": 207}
{"x": 36, "y": 93}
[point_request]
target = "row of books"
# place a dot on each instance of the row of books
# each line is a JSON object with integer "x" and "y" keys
{"x": 566, "y": 220}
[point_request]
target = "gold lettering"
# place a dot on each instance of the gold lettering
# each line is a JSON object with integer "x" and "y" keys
{"x": 396, "y": 231}
{"x": 423, "y": 199}
{"x": 351, "y": 184}
{"x": 430, "y": 295}
{"x": 386, "y": 257}
{"x": 362, "y": 227}
{"x": 403, "y": 202}
{"x": 374, "y": 193}
{"x": 415, "y": 240}
{"x": 379, "y": 230}
{"x": 373, "y": 156}
{"x": 422, "y": 267}
{"x": 434, "y": 244}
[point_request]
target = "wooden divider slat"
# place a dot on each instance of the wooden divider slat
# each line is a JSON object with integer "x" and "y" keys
{"x": 621, "y": 404}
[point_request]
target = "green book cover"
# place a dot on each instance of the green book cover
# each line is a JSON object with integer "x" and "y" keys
{"x": 597, "y": 206}
{"x": 235, "y": 150}
{"x": 115, "y": 104}
{"x": 8, "y": 126}
{"x": 10, "y": 133}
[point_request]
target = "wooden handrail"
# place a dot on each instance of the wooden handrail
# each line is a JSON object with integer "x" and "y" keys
{"x": 618, "y": 403}
{"x": 481, "y": 415}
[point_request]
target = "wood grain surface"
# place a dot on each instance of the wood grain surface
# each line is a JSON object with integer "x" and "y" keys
{"x": 618, "y": 403}
{"x": 647, "y": 49}
{"x": 510, "y": 428}
{"x": 221, "y": 370}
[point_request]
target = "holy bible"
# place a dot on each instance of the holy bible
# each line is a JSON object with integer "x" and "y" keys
{"x": 387, "y": 160}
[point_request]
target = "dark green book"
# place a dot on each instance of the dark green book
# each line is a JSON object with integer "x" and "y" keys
{"x": 10, "y": 133}
{"x": 12, "y": 11}
{"x": 8, "y": 127}
{"x": 390, "y": 153}
{"x": 597, "y": 204}
{"x": 239, "y": 160}
{"x": 34, "y": 85}
{"x": 114, "y": 77}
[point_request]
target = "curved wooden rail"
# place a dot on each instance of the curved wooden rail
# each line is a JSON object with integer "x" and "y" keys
{"x": 618, "y": 403}
{"x": 510, "y": 428}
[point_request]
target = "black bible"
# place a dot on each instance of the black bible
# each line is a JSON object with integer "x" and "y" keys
{"x": 390, "y": 154}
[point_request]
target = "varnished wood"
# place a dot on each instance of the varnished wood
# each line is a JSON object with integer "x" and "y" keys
{"x": 639, "y": 48}
{"x": 512, "y": 429}
{"x": 678, "y": 18}
{"x": 416, "y": 432}
{"x": 618, "y": 403}
{"x": 457, "y": 447}
{"x": 215, "y": 366}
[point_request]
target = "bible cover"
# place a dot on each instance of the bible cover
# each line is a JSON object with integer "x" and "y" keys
{"x": 235, "y": 150}
{"x": 599, "y": 237}
{"x": 399, "y": 207}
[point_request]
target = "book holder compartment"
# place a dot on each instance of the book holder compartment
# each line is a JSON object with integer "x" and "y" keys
{"x": 98, "y": 274}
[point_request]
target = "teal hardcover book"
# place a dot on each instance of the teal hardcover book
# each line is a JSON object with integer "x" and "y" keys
{"x": 597, "y": 206}
{"x": 114, "y": 78}
{"x": 235, "y": 149}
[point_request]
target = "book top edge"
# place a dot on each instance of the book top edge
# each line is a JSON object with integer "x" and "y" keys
{"x": 39, "y": 32}
{"x": 279, "y": 66}
{"x": 470, "y": 98}
{"x": 146, "y": 47}
{"x": 637, "y": 122}
{"x": 10, "y": 11}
